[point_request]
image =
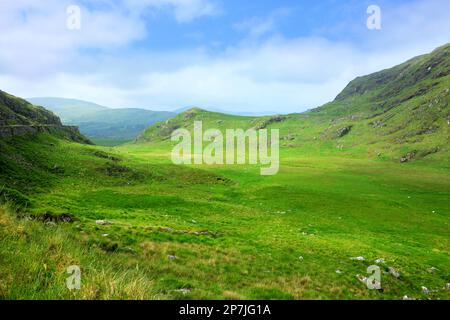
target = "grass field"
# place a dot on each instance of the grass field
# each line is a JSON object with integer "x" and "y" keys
{"x": 223, "y": 232}
{"x": 367, "y": 175}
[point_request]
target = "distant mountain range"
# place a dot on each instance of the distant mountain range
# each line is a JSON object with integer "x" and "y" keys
{"x": 100, "y": 123}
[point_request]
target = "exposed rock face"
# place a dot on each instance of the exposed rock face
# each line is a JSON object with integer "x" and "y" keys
{"x": 271, "y": 120}
{"x": 343, "y": 131}
{"x": 408, "y": 157}
{"x": 16, "y": 111}
{"x": 69, "y": 132}
{"x": 19, "y": 118}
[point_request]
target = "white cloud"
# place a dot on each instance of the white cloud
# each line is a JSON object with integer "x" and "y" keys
{"x": 184, "y": 10}
{"x": 35, "y": 38}
{"x": 39, "y": 57}
{"x": 258, "y": 26}
{"x": 279, "y": 74}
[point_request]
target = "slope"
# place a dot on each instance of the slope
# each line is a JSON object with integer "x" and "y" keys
{"x": 398, "y": 114}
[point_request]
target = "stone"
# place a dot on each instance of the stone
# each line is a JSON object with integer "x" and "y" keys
{"x": 343, "y": 131}
{"x": 394, "y": 272}
{"x": 433, "y": 270}
{"x": 183, "y": 291}
{"x": 103, "y": 222}
{"x": 358, "y": 258}
{"x": 361, "y": 278}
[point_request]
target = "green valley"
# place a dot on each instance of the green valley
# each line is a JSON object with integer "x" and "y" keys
{"x": 364, "y": 180}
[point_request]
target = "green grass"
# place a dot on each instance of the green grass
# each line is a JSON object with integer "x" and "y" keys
{"x": 109, "y": 142}
{"x": 236, "y": 234}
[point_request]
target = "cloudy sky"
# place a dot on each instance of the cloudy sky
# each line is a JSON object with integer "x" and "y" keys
{"x": 233, "y": 55}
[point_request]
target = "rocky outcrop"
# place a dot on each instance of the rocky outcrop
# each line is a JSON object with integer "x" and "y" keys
{"x": 69, "y": 132}
{"x": 18, "y": 118}
{"x": 343, "y": 131}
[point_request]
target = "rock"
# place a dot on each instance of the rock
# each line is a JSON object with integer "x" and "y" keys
{"x": 405, "y": 297}
{"x": 103, "y": 222}
{"x": 447, "y": 286}
{"x": 50, "y": 224}
{"x": 194, "y": 222}
{"x": 408, "y": 157}
{"x": 361, "y": 278}
{"x": 378, "y": 261}
{"x": 170, "y": 230}
{"x": 338, "y": 271}
{"x": 425, "y": 290}
{"x": 105, "y": 235}
{"x": 358, "y": 258}
{"x": 301, "y": 258}
{"x": 171, "y": 257}
{"x": 433, "y": 270}
{"x": 343, "y": 131}
{"x": 394, "y": 272}
{"x": 183, "y": 291}
{"x": 65, "y": 218}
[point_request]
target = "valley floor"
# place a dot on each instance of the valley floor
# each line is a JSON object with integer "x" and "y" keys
{"x": 226, "y": 232}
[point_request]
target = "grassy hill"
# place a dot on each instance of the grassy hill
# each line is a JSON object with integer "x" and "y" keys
{"x": 67, "y": 109}
{"x": 399, "y": 113}
{"x": 226, "y": 232}
{"x": 103, "y": 125}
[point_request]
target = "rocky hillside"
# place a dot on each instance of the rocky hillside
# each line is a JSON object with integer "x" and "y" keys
{"x": 18, "y": 117}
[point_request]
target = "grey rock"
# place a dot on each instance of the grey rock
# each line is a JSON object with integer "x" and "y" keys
{"x": 394, "y": 272}
{"x": 103, "y": 222}
{"x": 358, "y": 258}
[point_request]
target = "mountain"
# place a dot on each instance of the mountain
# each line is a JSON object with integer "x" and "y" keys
{"x": 401, "y": 113}
{"x": 68, "y": 109}
{"x": 103, "y": 125}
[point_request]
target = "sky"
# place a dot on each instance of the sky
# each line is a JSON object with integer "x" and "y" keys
{"x": 252, "y": 56}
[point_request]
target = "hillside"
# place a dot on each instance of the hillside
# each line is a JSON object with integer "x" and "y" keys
{"x": 102, "y": 124}
{"x": 18, "y": 117}
{"x": 16, "y": 111}
{"x": 402, "y": 113}
{"x": 141, "y": 227}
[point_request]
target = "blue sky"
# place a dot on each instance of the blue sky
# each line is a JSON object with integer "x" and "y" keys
{"x": 254, "y": 56}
